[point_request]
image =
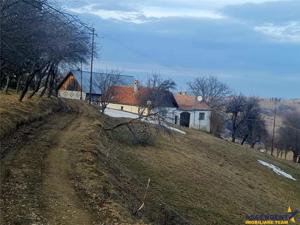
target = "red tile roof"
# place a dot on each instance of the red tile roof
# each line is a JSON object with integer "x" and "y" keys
{"x": 188, "y": 102}
{"x": 126, "y": 95}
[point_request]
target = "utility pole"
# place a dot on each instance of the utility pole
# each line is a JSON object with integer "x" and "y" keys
{"x": 274, "y": 127}
{"x": 92, "y": 61}
{"x": 81, "y": 80}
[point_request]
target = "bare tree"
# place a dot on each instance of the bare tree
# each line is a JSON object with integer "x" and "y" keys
{"x": 156, "y": 94}
{"x": 105, "y": 83}
{"x": 246, "y": 121}
{"x": 235, "y": 107}
{"x": 289, "y": 135}
{"x": 36, "y": 39}
{"x": 212, "y": 90}
{"x": 150, "y": 121}
{"x": 253, "y": 128}
{"x": 214, "y": 93}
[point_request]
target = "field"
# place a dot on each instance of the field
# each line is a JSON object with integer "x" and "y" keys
{"x": 66, "y": 169}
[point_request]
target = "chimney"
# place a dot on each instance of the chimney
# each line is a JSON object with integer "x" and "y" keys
{"x": 136, "y": 86}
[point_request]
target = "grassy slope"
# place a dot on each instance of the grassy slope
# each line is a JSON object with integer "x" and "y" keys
{"x": 194, "y": 177}
{"x": 71, "y": 131}
{"x": 207, "y": 180}
{"x": 14, "y": 113}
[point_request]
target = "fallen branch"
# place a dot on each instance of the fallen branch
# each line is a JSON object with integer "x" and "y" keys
{"x": 132, "y": 121}
{"x": 144, "y": 197}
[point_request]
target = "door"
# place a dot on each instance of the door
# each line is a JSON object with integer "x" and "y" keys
{"x": 185, "y": 119}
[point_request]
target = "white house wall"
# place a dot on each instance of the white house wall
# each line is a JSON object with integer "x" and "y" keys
{"x": 194, "y": 119}
{"x": 170, "y": 113}
{"x": 71, "y": 94}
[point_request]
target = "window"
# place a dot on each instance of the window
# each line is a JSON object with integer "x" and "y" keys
{"x": 176, "y": 119}
{"x": 201, "y": 116}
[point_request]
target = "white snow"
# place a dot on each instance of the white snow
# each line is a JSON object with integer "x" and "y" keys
{"x": 276, "y": 170}
{"x": 175, "y": 129}
{"x": 153, "y": 121}
{"x": 121, "y": 114}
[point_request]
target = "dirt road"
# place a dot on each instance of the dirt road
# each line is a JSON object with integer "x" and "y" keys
{"x": 36, "y": 176}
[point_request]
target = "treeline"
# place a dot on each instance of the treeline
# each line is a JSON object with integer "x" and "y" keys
{"x": 36, "y": 40}
{"x": 241, "y": 118}
{"x": 289, "y": 135}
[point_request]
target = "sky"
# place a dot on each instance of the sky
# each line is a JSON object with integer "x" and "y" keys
{"x": 252, "y": 45}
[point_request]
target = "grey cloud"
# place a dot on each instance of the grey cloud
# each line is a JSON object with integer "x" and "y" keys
{"x": 229, "y": 46}
{"x": 102, "y": 4}
{"x": 114, "y": 5}
{"x": 269, "y": 12}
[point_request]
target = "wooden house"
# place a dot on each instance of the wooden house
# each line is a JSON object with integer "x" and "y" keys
{"x": 76, "y": 85}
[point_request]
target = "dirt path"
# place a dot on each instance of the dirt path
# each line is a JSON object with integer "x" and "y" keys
{"x": 36, "y": 185}
{"x": 63, "y": 205}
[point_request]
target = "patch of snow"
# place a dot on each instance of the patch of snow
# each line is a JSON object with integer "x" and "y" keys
{"x": 119, "y": 114}
{"x": 276, "y": 170}
{"x": 175, "y": 129}
{"x": 153, "y": 121}
{"x": 122, "y": 114}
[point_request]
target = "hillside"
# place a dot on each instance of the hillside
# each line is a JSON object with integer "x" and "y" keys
{"x": 68, "y": 170}
{"x": 284, "y": 107}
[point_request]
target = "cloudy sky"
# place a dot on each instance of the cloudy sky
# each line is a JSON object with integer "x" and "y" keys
{"x": 253, "y": 45}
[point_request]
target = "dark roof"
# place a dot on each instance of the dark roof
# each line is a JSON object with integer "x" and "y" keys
{"x": 188, "y": 102}
{"x": 124, "y": 80}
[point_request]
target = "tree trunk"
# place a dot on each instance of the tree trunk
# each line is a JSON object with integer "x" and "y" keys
{"x": 285, "y": 154}
{"x": 295, "y": 156}
{"x": 51, "y": 84}
{"x": 36, "y": 88}
{"x": 233, "y": 138}
{"x": 234, "y": 117}
{"x": 28, "y": 82}
{"x": 277, "y": 152}
{"x": 24, "y": 91}
{"x": 253, "y": 144}
{"x": 244, "y": 139}
{"x": 18, "y": 83}
{"x": 47, "y": 81}
{"x": 103, "y": 107}
{"x": 42, "y": 75}
{"x": 6, "y": 84}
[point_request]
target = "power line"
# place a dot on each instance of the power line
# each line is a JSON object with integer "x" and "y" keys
{"x": 92, "y": 61}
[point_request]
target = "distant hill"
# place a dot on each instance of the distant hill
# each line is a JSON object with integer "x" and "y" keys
{"x": 283, "y": 107}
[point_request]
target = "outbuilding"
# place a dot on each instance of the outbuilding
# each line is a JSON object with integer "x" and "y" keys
{"x": 191, "y": 112}
{"x": 76, "y": 85}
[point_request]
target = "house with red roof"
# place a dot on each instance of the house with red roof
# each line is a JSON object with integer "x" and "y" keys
{"x": 192, "y": 112}
{"x": 181, "y": 109}
{"x": 76, "y": 85}
{"x": 134, "y": 98}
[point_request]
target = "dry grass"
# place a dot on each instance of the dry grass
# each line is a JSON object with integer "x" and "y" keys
{"x": 52, "y": 177}
{"x": 14, "y": 113}
{"x": 195, "y": 178}
{"x": 205, "y": 180}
